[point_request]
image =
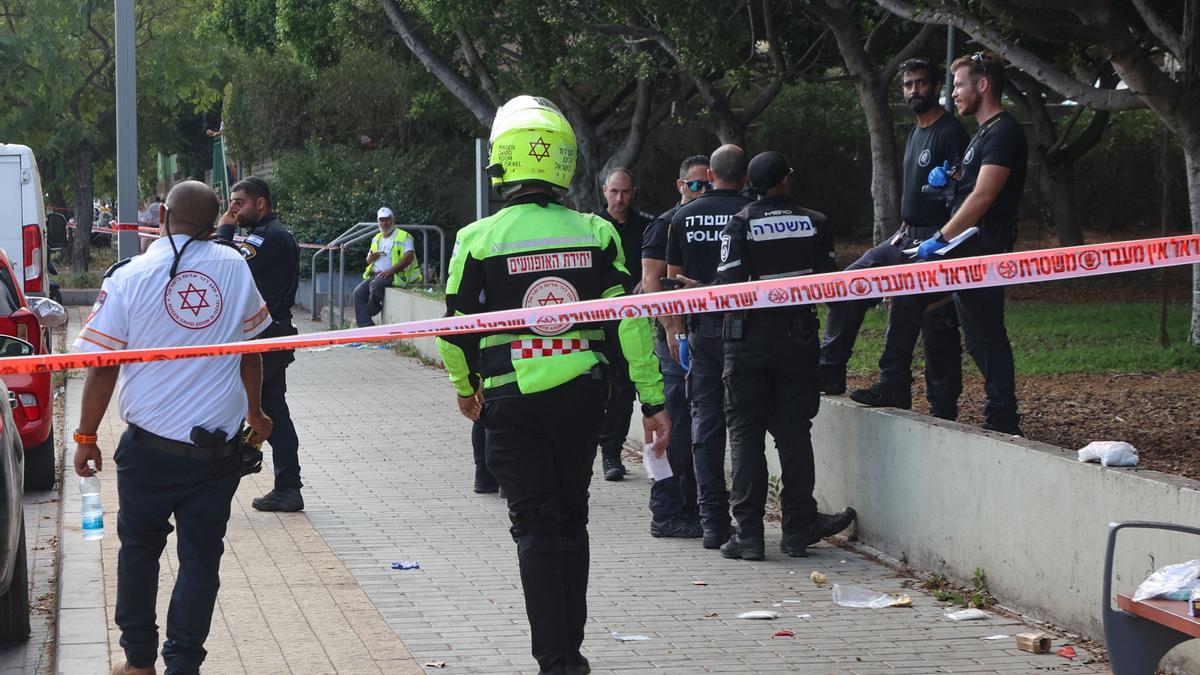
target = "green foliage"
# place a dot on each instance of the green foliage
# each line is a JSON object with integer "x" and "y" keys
{"x": 267, "y": 108}
{"x": 821, "y": 129}
{"x": 1056, "y": 338}
{"x": 322, "y": 190}
{"x": 943, "y": 590}
{"x": 1129, "y": 156}
{"x": 248, "y": 24}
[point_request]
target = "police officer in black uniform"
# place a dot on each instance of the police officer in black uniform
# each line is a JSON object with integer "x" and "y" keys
{"x": 936, "y": 138}
{"x": 771, "y": 364}
{"x": 673, "y": 500}
{"x": 274, "y": 259}
{"x": 986, "y": 195}
{"x": 693, "y": 250}
{"x": 620, "y": 191}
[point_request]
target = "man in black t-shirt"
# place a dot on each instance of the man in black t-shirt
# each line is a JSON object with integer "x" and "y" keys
{"x": 935, "y": 139}
{"x": 694, "y": 250}
{"x": 619, "y": 193}
{"x": 986, "y": 195}
{"x": 673, "y": 500}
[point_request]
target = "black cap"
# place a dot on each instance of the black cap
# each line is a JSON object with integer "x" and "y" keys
{"x": 767, "y": 169}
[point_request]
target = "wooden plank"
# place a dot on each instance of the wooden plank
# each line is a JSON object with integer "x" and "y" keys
{"x": 1170, "y": 613}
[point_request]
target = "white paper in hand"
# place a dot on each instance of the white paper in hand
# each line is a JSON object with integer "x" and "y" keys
{"x": 657, "y": 468}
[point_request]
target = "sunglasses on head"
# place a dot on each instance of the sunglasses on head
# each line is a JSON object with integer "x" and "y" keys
{"x": 697, "y": 185}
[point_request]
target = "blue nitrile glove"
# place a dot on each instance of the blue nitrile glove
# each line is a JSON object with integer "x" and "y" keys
{"x": 940, "y": 175}
{"x": 928, "y": 250}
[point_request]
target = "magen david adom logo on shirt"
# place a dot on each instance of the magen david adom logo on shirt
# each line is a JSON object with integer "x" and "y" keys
{"x": 193, "y": 300}
{"x": 548, "y": 292}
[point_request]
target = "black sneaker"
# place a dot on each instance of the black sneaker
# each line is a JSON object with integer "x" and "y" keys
{"x": 944, "y": 414}
{"x": 831, "y": 379}
{"x": 677, "y": 527}
{"x": 880, "y": 396}
{"x": 613, "y": 468}
{"x": 793, "y": 545}
{"x": 485, "y": 483}
{"x": 744, "y": 549}
{"x": 1013, "y": 429}
{"x": 714, "y": 537}
{"x": 827, "y": 525}
{"x": 288, "y": 501}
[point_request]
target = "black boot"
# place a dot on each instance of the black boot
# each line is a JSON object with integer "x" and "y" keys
{"x": 882, "y": 396}
{"x": 827, "y": 525}
{"x": 749, "y": 548}
{"x": 793, "y": 545}
{"x": 485, "y": 483}
{"x": 613, "y": 468}
{"x": 831, "y": 379}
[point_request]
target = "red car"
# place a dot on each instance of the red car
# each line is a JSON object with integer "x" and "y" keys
{"x": 30, "y": 395}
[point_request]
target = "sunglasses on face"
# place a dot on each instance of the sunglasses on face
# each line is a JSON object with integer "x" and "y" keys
{"x": 697, "y": 185}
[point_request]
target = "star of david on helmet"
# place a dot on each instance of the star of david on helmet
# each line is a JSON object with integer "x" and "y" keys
{"x": 531, "y": 144}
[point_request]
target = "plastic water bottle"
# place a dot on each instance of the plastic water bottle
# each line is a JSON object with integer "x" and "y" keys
{"x": 685, "y": 359}
{"x": 93, "y": 512}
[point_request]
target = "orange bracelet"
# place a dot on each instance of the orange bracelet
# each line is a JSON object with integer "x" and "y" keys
{"x": 85, "y": 439}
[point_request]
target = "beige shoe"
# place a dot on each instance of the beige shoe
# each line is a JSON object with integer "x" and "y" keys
{"x": 124, "y": 668}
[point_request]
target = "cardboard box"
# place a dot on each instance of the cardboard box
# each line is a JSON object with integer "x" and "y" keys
{"x": 1037, "y": 643}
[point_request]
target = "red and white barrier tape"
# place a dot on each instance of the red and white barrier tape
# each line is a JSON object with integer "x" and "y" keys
{"x": 926, "y": 277}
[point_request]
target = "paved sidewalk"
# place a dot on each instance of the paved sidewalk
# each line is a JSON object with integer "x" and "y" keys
{"x": 387, "y": 465}
{"x": 287, "y": 604}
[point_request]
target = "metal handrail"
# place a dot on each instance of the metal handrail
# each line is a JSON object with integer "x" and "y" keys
{"x": 352, "y": 235}
{"x": 333, "y": 244}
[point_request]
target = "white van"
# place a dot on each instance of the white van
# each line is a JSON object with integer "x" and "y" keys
{"x": 23, "y": 217}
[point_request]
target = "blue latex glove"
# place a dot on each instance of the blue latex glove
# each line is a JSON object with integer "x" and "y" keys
{"x": 928, "y": 248}
{"x": 940, "y": 175}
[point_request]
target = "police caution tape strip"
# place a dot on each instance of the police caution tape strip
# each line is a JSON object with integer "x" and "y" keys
{"x": 926, "y": 277}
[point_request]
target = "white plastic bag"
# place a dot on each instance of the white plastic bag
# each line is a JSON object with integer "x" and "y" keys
{"x": 1110, "y": 453}
{"x": 1170, "y": 579}
{"x": 861, "y": 597}
{"x": 966, "y": 615}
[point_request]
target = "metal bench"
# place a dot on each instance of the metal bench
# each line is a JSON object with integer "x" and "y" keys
{"x": 1139, "y": 634}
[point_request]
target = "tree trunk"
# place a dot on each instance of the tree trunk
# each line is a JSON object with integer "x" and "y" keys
{"x": 1059, "y": 191}
{"x": 81, "y": 249}
{"x": 1191, "y": 153}
{"x": 885, "y": 174}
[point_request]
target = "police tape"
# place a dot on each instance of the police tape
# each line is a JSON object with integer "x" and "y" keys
{"x": 547, "y": 318}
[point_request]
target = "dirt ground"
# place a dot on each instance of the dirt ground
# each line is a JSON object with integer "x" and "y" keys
{"x": 1156, "y": 412}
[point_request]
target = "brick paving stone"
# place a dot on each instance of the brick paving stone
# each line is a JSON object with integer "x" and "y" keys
{"x": 287, "y": 603}
{"x": 388, "y": 477}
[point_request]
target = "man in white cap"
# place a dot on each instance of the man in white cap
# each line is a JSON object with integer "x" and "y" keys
{"x": 391, "y": 261}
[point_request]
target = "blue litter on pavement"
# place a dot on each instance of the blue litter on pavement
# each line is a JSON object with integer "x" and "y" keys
{"x": 406, "y": 565}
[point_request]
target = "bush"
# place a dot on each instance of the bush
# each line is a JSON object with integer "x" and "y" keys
{"x": 321, "y": 191}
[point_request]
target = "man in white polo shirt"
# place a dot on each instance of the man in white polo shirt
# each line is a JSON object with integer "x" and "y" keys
{"x": 179, "y": 456}
{"x": 391, "y": 261}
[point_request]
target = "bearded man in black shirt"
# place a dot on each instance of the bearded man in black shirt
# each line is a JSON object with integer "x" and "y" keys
{"x": 936, "y": 138}
{"x": 986, "y": 195}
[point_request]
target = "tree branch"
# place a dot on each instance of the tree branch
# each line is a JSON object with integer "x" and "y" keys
{"x": 486, "y": 81}
{"x": 872, "y": 38}
{"x": 1066, "y": 85}
{"x": 1038, "y": 27}
{"x": 773, "y": 38}
{"x": 1160, "y": 28}
{"x": 910, "y": 50}
{"x": 470, "y": 97}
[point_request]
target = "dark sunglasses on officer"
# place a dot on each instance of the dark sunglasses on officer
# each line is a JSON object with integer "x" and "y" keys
{"x": 697, "y": 185}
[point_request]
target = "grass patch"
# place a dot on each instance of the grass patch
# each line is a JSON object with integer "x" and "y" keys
{"x": 1053, "y": 339}
{"x": 89, "y": 279}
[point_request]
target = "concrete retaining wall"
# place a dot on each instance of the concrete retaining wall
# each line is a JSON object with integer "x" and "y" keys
{"x": 950, "y": 498}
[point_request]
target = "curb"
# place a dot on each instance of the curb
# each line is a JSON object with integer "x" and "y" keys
{"x": 81, "y": 644}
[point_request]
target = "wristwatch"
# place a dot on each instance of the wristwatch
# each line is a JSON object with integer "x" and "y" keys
{"x": 652, "y": 410}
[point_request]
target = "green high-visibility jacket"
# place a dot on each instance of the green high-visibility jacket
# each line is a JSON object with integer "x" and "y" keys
{"x": 537, "y": 253}
{"x": 408, "y": 275}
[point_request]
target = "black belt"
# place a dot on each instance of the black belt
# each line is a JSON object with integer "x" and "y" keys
{"x": 180, "y": 448}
